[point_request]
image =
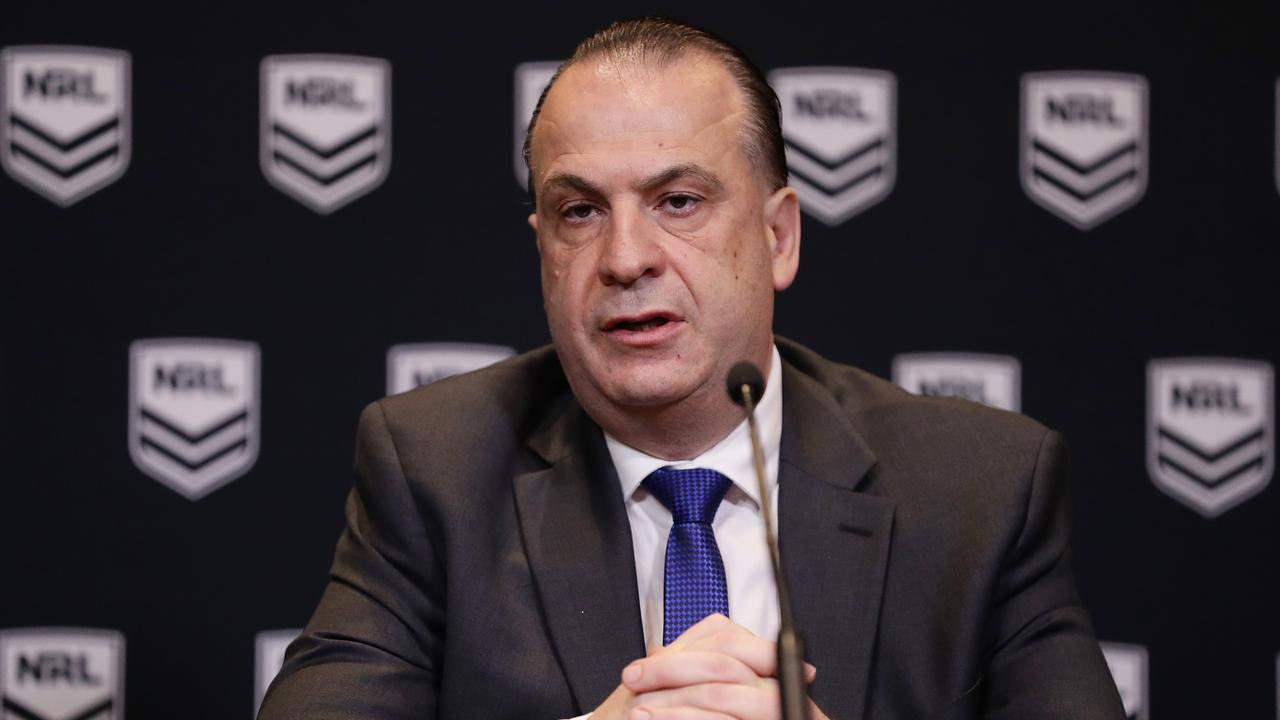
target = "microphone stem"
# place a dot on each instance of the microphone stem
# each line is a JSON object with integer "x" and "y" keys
{"x": 757, "y": 455}
{"x": 790, "y": 647}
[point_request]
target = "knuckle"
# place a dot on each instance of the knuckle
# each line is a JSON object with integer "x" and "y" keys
{"x": 718, "y": 695}
{"x": 657, "y": 671}
{"x": 721, "y": 666}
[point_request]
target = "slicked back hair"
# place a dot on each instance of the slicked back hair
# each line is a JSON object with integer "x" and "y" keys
{"x": 656, "y": 42}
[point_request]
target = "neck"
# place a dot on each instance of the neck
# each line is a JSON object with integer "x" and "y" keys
{"x": 680, "y": 431}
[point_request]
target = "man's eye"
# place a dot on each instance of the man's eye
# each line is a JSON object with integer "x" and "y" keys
{"x": 681, "y": 204}
{"x": 579, "y": 213}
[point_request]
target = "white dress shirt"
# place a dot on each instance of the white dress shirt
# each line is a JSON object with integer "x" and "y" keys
{"x": 738, "y": 525}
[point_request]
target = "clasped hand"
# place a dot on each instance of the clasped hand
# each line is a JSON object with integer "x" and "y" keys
{"x": 716, "y": 670}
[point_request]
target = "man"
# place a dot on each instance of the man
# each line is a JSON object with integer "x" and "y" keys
{"x": 516, "y": 543}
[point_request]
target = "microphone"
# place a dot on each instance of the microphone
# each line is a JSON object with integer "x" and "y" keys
{"x": 746, "y": 387}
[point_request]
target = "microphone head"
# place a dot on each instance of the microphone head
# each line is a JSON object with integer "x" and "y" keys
{"x": 745, "y": 373}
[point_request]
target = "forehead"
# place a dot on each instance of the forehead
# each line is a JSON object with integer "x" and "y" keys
{"x": 689, "y": 110}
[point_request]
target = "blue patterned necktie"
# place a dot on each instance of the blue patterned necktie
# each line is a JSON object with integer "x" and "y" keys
{"x": 694, "y": 586}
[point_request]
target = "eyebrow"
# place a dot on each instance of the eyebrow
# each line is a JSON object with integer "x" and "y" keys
{"x": 676, "y": 172}
{"x": 559, "y": 180}
{"x": 663, "y": 177}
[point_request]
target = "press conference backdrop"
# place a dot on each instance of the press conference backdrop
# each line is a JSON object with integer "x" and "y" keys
{"x": 223, "y": 236}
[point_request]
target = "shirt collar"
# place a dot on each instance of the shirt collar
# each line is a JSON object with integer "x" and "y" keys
{"x": 731, "y": 457}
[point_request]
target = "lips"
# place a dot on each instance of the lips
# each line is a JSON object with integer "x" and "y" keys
{"x": 643, "y": 328}
{"x": 639, "y": 323}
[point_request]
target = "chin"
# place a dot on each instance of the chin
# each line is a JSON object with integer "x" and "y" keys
{"x": 651, "y": 387}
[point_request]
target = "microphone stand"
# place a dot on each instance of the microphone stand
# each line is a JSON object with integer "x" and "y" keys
{"x": 790, "y": 646}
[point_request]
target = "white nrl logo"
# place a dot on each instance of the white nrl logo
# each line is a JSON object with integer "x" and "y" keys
{"x": 414, "y": 364}
{"x": 269, "y": 650}
{"x": 1210, "y": 437}
{"x": 326, "y": 127}
{"x": 994, "y": 380}
{"x": 64, "y": 119}
{"x": 1084, "y": 143}
{"x": 62, "y": 674}
{"x": 1128, "y": 665}
{"x": 840, "y": 129}
{"x": 193, "y": 411}
{"x": 531, "y": 79}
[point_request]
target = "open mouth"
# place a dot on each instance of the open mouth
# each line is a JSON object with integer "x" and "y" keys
{"x": 649, "y": 324}
{"x": 638, "y": 324}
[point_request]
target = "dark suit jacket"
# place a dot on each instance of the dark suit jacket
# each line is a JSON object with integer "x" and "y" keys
{"x": 487, "y": 568}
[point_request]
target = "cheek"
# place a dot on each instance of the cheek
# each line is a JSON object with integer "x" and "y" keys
{"x": 565, "y": 289}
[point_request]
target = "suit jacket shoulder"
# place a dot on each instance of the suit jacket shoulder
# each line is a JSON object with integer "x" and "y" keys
{"x": 956, "y": 514}
{"x": 930, "y": 449}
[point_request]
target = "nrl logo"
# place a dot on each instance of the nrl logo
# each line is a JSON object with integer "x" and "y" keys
{"x": 1210, "y": 436}
{"x": 531, "y": 79}
{"x": 193, "y": 411}
{"x": 62, "y": 674}
{"x": 326, "y": 127}
{"x": 64, "y": 119}
{"x": 994, "y": 380}
{"x": 1084, "y": 143}
{"x": 411, "y": 365}
{"x": 269, "y": 649}
{"x": 1128, "y": 665}
{"x": 840, "y": 129}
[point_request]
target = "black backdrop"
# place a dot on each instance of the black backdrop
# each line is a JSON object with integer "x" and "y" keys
{"x": 192, "y": 241}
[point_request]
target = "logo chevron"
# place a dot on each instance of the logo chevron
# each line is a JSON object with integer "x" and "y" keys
{"x": 840, "y": 131}
{"x": 1210, "y": 430}
{"x": 18, "y": 710}
{"x": 194, "y": 452}
{"x": 64, "y": 119}
{"x": 326, "y": 135}
{"x": 326, "y": 166}
{"x": 1181, "y": 455}
{"x": 1084, "y": 182}
{"x": 1084, "y": 143}
{"x": 193, "y": 420}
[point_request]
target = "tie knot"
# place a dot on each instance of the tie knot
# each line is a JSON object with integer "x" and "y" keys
{"x": 692, "y": 495}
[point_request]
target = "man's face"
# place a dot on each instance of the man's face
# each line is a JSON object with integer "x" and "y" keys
{"x": 660, "y": 243}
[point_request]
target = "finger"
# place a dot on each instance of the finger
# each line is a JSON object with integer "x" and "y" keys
{"x": 679, "y": 713}
{"x": 706, "y": 627}
{"x": 744, "y": 702}
{"x": 691, "y": 667}
{"x": 755, "y": 652}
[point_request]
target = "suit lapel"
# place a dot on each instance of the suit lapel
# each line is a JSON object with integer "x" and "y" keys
{"x": 578, "y": 540}
{"x": 834, "y": 541}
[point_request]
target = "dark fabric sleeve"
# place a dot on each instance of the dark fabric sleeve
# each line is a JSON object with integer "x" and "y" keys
{"x": 373, "y": 646}
{"x": 1045, "y": 663}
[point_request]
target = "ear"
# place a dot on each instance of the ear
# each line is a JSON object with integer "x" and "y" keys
{"x": 782, "y": 225}
{"x": 533, "y": 222}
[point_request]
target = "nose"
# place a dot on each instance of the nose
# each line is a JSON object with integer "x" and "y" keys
{"x": 631, "y": 249}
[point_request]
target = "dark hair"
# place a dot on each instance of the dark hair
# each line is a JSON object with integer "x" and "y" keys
{"x": 656, "y": 42}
